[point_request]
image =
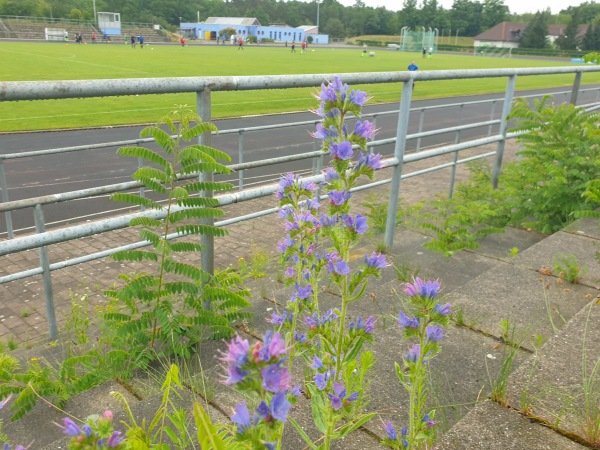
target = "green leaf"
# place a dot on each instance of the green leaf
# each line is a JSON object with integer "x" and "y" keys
{"x": 318, "y": 408}
{"x": 351, "y": 426}
{"x": 303, "y": 434}
{"x": 135, "y": 199}
{"x": 144, "y": 153}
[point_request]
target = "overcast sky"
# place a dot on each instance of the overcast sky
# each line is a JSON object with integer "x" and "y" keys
{"x": 515, "y": 6}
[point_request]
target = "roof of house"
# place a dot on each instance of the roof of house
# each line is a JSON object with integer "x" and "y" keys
{"x": 512, "y": 31}
{"x": 243, "y": 21}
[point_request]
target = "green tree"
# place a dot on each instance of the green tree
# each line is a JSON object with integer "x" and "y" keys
{"x": 466, "y": 17}
{"x": 334, "y": 28}
{"x": 409, "y": 14}
{"x": 494, "y": 12}
{"x": 570, "y": 40}
{"x": 535, "y": 34}
{"x": 591, "y": 40}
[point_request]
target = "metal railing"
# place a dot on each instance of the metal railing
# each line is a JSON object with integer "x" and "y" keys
{"x": 203, "y": 86}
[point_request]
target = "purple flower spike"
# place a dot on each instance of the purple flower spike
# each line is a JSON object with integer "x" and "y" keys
{"x": 434, "y": 333}
{"x": 341, "y": 150}
{"x": 376, "y": 260}
{"x": 444, "y": 310}
{"x": 358, "y": 224}
{"x": 330, "y": 174}
{"x": 391, "y": 431}
{"x": 370, "y": 325}
{"x": 406, "y": 322}
{"x": 413, "y": 354}
{"x": 71, "y": 427}
{"x": 287, "y": 180}
{"x": 320, "y": 381}
{"x": 324, "y": 133}
{"x": 317, "y": 363}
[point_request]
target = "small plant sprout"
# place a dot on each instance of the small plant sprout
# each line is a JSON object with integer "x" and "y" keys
{"x": 423, "y": 325}
{"x": 567, "y": 267}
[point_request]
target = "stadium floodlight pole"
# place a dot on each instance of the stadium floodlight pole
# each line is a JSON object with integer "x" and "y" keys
{"x": 95, "y": 15}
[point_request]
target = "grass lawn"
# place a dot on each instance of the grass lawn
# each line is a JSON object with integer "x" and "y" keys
{"x": 57, "y": 61}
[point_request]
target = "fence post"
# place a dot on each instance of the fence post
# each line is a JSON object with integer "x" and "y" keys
{"x": 421, "y": 120}
{"x": 203, "y": 105}
{"x": 508, "y": 98}
{"x": 492, "y": 113}
{"x": 7, "y": 214}
{"x": 575, "y": 90}
{"x": 455, "y": 158}
{"x": 38, "y": 215}
{"x": 241, "y": 160}
{"x": 399, "y": 149}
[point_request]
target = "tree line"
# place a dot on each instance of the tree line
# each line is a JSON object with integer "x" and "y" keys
{"x": 464, "y": 18}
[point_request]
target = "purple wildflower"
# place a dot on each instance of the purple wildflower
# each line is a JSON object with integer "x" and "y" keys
{"x": 434, "y": 333}
{"x": 406, "y": 322}
{"x": 300, "y": 337}
{"x": 327, "y": 93}
{"x": 372, "y": 160}
{"x": 273, "y": 346}
{"x": 358, "y": 97}
{"x": 324, "y": 133}
{"x": 341, "y": 150}
{"x": 71, "y": 427}
{"x": 301, "y": 292}
{"x": 330, "y": 174}
{"x": 338, "y": 268}
{"x": 279, "y": 319}
{"x": 376, "y": 260}
{"x": 313, "y": 203}
{"x": 422, "y": 288}
{"x": 285, "y": 244}
{"x": 391, "y": 431}
{"x": 237, "y": 352}
{"x": 275, "y": 378}
{"x": 115, "y": 439}
{"x": 368, "y": 325}
{"x": 444, "y": 310}
{"x": 280, "y": 406}
{"x": 296, "y": 391}
{"x": 87, "y": 430}
{"x": 413, "y": 354}
{"x": 289, "y": 272}
{"x": 241, "y": 417}
{"x": 317, "y": 363}
{"x": 328, "y": 221}
{"x": 364, "y": 129}
{"x": 428, "y": 421}
{"x": 338, "y": 396}
{"x": 285, "y": 211}
{"x": 287, "y": 180}
{"x": 338, "y": 198}
{"x": 320, "y": 380}
{"x": 358, "y": 224}
{"x": 341, "y": 88}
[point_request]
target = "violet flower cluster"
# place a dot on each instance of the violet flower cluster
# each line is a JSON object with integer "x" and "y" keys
{"x": 260, "y": 369}
{"x": 95, "y": 433}
{"x": 425, "y": 323}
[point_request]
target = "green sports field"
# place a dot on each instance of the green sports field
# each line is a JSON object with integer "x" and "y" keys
{"x": 58, "y": 61}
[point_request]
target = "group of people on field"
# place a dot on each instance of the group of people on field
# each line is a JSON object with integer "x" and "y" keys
{"x": 304, "y": 46}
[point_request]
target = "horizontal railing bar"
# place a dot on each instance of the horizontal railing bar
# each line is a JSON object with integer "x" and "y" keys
{"x": 61, "y": 89}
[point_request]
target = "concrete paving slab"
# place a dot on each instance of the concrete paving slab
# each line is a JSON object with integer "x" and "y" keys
{"x": 500, "y": 245}
{"x": 518, "y": 295}
{"x": 489, "y": 426}
{"x": 582, "y": 247}
{"x": 584, "y": 227}
{"x": 554, "y": 381}
{"x": 453, "y": 271}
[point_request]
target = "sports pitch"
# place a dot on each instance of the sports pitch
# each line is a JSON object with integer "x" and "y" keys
{"x": 58, "y": 61}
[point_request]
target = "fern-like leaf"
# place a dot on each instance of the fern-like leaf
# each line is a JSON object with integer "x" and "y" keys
{"x": 201, "y": 229}
{"x": 162, "y": 138}
{"x": 134, "y": 255}
{"x": 136, "y": 200}
{"x": 144, "y": 153}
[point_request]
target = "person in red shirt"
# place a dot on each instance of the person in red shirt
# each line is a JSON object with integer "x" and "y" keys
{"x": 240, "y": 44}
{"x": 182, "y": 41}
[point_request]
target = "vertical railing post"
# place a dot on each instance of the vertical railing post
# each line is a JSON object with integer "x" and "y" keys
{"x": 508, "y": 98}
{"x": 399, "y": 150}
{"x": 142, "y": 189}
{"x": 38, "y": 215}
{"x": 575, "y": 90}
{"x": 374, "y": 127}
{"x": 241, "y": 160}
{"x": 492, "y": 114}
{"x": 203, "y": 105}
{"x": 455, "y": 158}
{"x": 421, "y": 120}
{"x": 7, "y": 214}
